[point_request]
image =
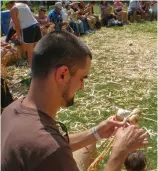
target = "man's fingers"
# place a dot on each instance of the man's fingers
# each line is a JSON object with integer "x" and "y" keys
{"x": 140, "y": 145}
{"x": 143, "y": 144}
{"x": 143, "y": 136}
{"x": 139, "y": 132}
{"x": 117, "y": 123}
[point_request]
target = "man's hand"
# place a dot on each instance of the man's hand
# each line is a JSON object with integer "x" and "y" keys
{"x": 126, "y": 140}
{"x": 107, "y": 128}
{"x": 130, "y": 139}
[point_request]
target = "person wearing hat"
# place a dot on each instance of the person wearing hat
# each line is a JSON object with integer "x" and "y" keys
{"x": 55, "y": 15}
{"x": 75, "y": 23}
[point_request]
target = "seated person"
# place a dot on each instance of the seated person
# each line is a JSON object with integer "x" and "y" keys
{"x": 75, "y": 23}
{"x": 97, "y": 23}
{"x": 153, "y": 10}
{"x": 118, "y": 10}
{"x": 88, "y": 11}
{"x": 145, "y": 5}
{"x": 42, "y": 17}
{"x": 55, "y": 16}
{"x": 64, "y": 12}
{"x": 83, "y": 14}
{"x": 136, "y": 161}
{"x": 66, "y": 17}
{"x": 135, "y": 9}
{"x": 106, "y": 12}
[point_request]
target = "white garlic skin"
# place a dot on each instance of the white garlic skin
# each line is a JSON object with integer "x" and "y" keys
{"x": 121, "y": 113}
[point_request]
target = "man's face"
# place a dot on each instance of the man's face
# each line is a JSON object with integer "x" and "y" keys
{"x": 75, "y": 83}
{"x": 43, "y": 11}
{"x": 58, "y": 10}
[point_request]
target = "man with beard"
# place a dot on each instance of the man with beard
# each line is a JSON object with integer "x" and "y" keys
{"x": 31, "y": 140}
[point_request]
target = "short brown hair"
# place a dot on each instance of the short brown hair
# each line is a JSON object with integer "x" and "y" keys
{"x": 56, "y": 49}
{"x": 136, "y": 161}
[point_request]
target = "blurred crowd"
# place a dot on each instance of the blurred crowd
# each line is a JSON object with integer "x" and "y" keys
{"x": 79, "y": 17}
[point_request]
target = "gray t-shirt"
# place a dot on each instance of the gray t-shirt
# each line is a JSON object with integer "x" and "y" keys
{"x": 31, "y": 141}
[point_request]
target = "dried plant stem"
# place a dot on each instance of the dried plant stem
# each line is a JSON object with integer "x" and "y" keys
{"x": 94, "y": 165}
{"x": 149, "y": 119}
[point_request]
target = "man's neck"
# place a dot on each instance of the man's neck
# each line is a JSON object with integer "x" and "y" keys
{"x": 39, "y": 98}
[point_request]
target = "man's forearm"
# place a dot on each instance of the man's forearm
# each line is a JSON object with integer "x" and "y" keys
{"x": 81, "y": 139}
{"x": 116, "y": 161}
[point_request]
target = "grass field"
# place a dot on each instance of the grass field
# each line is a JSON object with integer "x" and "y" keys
{"x": 123, "y": 74}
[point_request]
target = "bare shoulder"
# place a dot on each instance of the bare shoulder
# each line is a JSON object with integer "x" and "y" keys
{"x": 14, "y": 9}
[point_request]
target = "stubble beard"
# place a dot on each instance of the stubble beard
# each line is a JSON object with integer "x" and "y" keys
{"x": 68, "y": 102}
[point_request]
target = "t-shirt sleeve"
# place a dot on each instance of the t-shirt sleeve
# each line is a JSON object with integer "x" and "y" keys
{"x": 60, "y": 160}
{"x": 50, "y": 16}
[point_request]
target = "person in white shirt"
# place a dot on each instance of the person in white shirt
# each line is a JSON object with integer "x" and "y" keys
{"x": 153, "y": 10}
{"x": 26, "y": 26}
{"x": 64, "y": 12}
{"x": 135, "y": 9}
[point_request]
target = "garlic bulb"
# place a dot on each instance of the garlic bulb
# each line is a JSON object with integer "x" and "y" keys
{"x": 126, "y": 115}
{"x": 134, "y": 119}
{"x": 135, "y": 116}
{"x": 122, "y": 113}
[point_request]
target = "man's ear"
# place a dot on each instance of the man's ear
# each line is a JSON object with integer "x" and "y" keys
{"x": 62, "y": 74}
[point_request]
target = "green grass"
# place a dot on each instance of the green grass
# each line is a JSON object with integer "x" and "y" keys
{"x": 147, "y": 27}
{"x": 123, "y": 73}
